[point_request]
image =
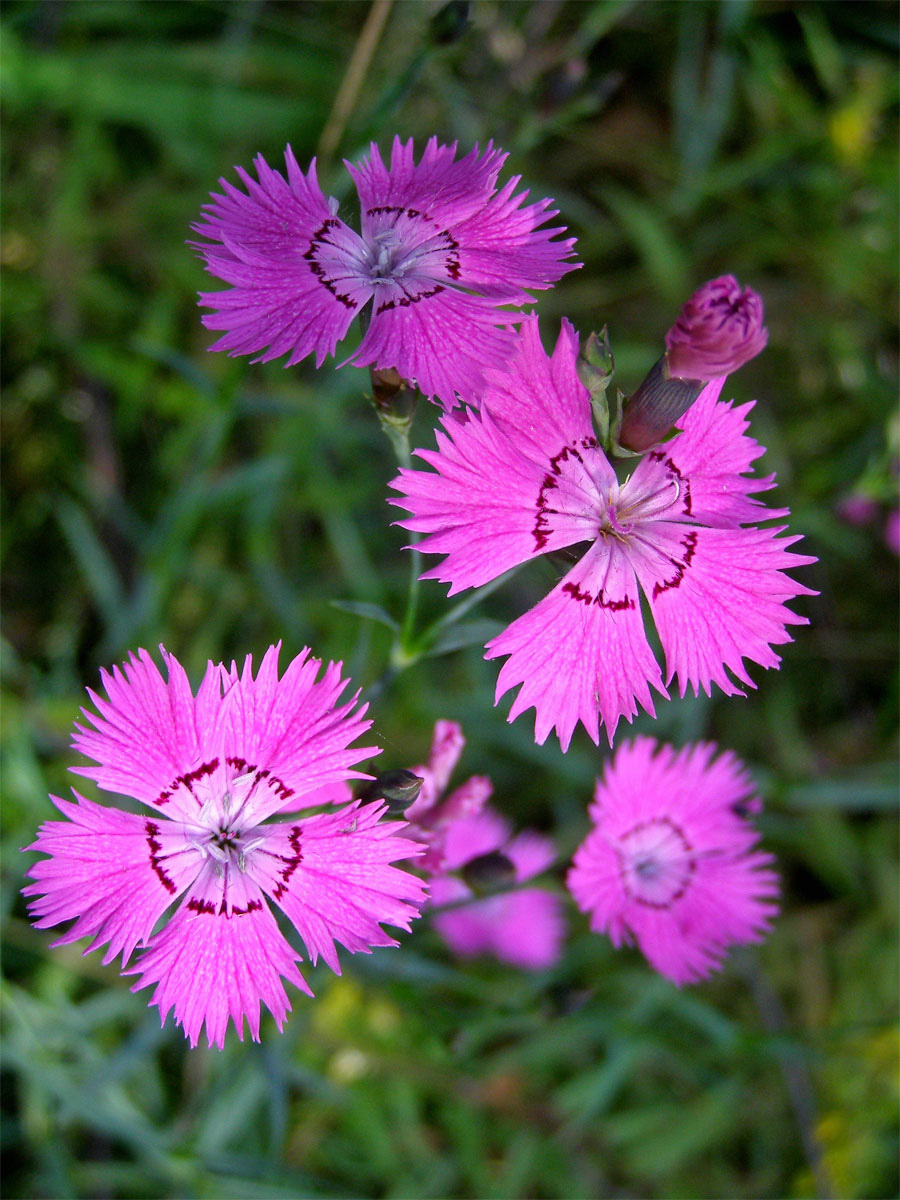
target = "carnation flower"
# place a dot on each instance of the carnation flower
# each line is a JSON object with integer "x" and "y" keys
{"x": 432, "y": 814}
{"x": 718, "y": 330}
{"x": 441, "y": 251}
{"x": 524, "y": 927}
{"x": 525, "y": 476}
{"x": 670, "y": 863}
{"x": 210, "y": 770}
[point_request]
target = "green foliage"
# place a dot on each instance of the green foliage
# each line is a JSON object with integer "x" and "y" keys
{"x": 153, "y": 494}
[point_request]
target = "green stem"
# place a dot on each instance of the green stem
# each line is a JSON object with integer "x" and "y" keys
{"x": 405, "y": 641}
{"x": 402, "y": 654}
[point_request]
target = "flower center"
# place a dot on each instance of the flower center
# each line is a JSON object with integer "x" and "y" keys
{"x": 222, "y": 834}
{"x": 656, "y": 862}
{"x": 626, "y": 508}
{"x": 386, "y": 257}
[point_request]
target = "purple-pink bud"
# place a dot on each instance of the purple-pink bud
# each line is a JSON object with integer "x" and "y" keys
{"x": 718, "y": 330}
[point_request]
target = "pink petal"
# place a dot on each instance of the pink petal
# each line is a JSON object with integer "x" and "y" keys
{"x": 522, "y": 928}
{"x": 331, "y": 875}
{"x": 329, "y": 794}
{"x": 441, "y": 340}
{"x": 549, "y": 464}
{"x": 717, "y": 598}
{"x": 473, "y": 836}
{"x": 211, "y": 968}
{"x": 294, "y": 728}
{"x": 715, "y": 454}
{"x": 114, "y": 872}
{"x": 503, "y": 252}
{"x": 530, "y": 853}
{"x": 447, "y": 745}
{"x": 447, "y": 191}
{"x": 149, "y": 731}
{"x": 295, "y": 268}
{"x": 581, "y": 654}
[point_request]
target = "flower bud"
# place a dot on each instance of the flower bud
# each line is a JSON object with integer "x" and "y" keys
{"x": 398, "y": 788}
{"x": 595, "y": 365}
{"x": 718, "y": 330}
{"x": 488, "y": 872}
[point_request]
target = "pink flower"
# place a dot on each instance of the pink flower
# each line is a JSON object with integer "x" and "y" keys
{"x": 441, "y": 251}
{"x": 432, "y": 814}
{"x": 857, "y": 509}
{"x": 892, "y": 531}
{"x": 525, "y": 476}
{"x": 718, "y": 330}
{"x": 211, "y": 769}
{"x": 670, "y": 862}
{"x": 524, "y": 927}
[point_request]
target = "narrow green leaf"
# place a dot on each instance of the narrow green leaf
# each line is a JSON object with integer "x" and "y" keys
{"x": 369, "y": 612}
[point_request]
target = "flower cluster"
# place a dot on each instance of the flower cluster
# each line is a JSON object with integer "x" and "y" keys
{"x": 443, "y": 261}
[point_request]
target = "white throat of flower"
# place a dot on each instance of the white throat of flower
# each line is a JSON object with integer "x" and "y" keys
{"x": 625, "y": 507}
{"x": 656, "y": 862}
{"x": 223, "y": 830}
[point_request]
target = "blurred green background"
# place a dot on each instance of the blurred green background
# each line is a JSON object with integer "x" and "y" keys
{"x": 156, "y": 493}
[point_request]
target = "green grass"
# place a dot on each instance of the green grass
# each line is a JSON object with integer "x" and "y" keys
{"x": 154, "y": 493}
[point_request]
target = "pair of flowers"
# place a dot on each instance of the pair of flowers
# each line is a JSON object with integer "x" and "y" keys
{"x": 441, "y": 254}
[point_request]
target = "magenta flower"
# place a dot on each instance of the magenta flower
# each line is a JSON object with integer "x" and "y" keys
{"x": 892, "y": 531}
{"x": 432, "y": 813}
{"x": 524, "y": 927}
{"x": 670, "y": 862}
{"x": 211, "y": 769}
{"x": 857, "y": 509}
{"x": 525, "y": 476}
{"x": 718, "y": 330}
{"x": 441, "y": 251}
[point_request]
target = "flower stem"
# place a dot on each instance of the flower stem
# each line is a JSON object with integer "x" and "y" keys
{"x": 395, "y": 403}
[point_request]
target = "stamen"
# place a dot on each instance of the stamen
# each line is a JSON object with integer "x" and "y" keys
{"x": 643, "y": 507}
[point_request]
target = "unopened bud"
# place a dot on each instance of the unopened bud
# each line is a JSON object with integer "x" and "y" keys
{"x": 595, "y": 363}
{"x": 595, "y": 367}
{"x": 718, "y": 330}
{"x": 488, "y": 872}
{"x": 397, "y": 788}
